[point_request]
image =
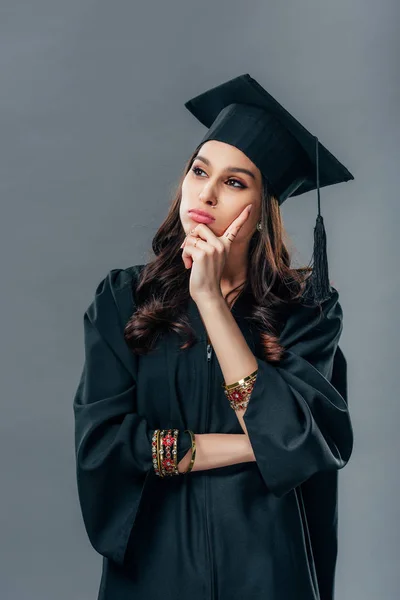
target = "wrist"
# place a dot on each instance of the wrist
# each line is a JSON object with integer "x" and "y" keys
{"x": 206, "y": 299}
{"x": 240, "y": 414}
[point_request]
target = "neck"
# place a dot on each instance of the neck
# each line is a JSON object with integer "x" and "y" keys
{"x": 231, "y": 278}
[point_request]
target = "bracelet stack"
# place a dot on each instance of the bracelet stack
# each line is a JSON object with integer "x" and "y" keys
{"x": 239, "y": 393}
{"x": 164, "y": 452}
{"x": 165, "y": 441}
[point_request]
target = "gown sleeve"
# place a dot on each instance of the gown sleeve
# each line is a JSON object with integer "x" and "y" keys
{"x": 297, "y": 421}
{"x": 320, "y": 498}
{"x": 112, "y": 441}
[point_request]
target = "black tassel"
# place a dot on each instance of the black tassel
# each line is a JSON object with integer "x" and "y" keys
{"x": 318, "y": 287}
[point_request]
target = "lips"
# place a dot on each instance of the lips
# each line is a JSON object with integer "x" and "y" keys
{"x": 200, "y": 216}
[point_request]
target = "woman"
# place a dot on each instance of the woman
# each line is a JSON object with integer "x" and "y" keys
{"x": 214, "y": 354}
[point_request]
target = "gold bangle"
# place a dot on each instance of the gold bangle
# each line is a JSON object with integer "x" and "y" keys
{"x": 158, "y": 453}
{"x": 193, "y": 438}
{"x": 241, "y": 381}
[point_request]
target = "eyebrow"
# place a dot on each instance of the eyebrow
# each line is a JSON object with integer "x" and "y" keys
{"x": 230, "y": 169}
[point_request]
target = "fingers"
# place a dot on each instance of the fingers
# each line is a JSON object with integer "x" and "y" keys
{"x": 242, "y": 218}
{"x": 192, "y": 245}
{"x": 229, "y": 234}
{"x": 231, "y": 231}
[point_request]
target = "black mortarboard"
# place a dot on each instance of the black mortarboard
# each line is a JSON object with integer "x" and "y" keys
{"x": 242, "y": 113}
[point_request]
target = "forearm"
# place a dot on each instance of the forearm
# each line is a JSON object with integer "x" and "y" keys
{"x": 233, "y": 353}
{"x": 218, "y": 450}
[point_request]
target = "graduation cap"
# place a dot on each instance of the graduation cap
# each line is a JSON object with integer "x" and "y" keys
{"x": 242, "y": 113}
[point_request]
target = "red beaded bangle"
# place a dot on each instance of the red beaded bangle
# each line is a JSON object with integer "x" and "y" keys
{"x": 239, "y": 393}
{"x": 165, "y": 442}
{"x": 169, "y": 442}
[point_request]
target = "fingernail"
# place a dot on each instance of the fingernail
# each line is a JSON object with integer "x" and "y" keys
{"x": 249, "y": 207}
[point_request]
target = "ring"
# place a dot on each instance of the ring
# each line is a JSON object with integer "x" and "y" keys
{"x": 197, "y": 239}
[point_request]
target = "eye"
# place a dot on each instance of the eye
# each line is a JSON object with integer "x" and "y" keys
{"x": 194, "y": 169}
{"x": 239, "y": 182}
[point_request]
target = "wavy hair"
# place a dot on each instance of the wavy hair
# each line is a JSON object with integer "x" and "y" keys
{"x": 162, "y": 290}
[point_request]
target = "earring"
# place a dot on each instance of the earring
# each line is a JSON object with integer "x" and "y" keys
{"x": 259, "y": 226}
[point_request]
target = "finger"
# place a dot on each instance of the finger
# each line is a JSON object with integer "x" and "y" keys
{"x": 191, "y": 232}
{"x": 191, "y": 246}
{"x": 187, "y": 259}
{"x": 233, "y": 229}
{"x": 242, "y": 218}
{"x": 191, "y": 252}
{"x": 195, "y": 243}
{"x": 204, "y": 233}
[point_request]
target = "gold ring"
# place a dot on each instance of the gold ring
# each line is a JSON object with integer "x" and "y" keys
{"x": 197, "y": 239}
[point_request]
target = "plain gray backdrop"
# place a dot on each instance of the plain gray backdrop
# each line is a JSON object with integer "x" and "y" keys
{"x": 94, "y": 136}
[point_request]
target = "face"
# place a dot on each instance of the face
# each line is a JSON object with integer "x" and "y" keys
{"x": 216, "y": 184}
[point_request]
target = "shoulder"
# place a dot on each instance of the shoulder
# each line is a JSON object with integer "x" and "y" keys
{"x": 118, "y": 279}
{"x": 114, "y": 295}
{"x": 324, "y": 309}
{"x": 307, "y": 320}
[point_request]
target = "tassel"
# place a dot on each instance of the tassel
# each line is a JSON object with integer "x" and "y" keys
{"x": 318, "y": 287}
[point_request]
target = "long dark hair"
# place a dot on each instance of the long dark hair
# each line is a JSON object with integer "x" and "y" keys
{"x": 162, "y": 291}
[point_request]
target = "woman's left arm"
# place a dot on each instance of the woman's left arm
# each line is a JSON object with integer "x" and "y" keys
{"x": 297, "y": 421}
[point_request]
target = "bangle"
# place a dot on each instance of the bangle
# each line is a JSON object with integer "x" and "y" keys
{"x": 238, "y": 393}
{"x": 193, "y": 438}
{"x": 169, "y": 438}
{"x": 155, "y": 445}
{"x": 164, "y": 450}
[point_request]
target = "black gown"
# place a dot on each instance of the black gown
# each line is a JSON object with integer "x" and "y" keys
{"x": 261, "y": 530}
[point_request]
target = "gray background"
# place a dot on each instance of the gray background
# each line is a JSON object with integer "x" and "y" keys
{"x": 94, "y": 136}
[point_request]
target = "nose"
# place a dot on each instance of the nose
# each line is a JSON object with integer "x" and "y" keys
{"x": 207, "y": 195}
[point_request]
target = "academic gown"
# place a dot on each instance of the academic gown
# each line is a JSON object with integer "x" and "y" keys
{"x": 259, "y": 530}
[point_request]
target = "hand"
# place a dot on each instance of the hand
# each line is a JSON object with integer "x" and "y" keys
{"x": 208, "y": 257}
